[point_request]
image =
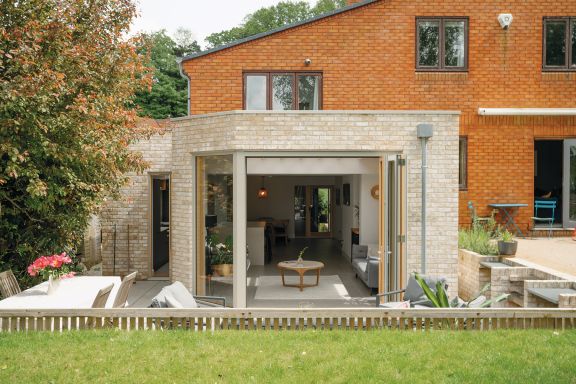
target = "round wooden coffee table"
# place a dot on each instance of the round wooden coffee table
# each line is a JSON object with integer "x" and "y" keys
{"x": 301, "y": 268}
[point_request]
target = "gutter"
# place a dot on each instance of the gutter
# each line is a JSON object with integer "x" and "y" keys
{"x": 184, "y": 75}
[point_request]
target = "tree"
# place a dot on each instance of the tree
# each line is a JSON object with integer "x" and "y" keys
{"x": 268, "y": 18}
{"x": 68, "y": 75}
{"x": 168, "y": 96}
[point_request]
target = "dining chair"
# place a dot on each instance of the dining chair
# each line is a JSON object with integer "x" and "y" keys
{"x": 8, "y": 284}
{"x": 102, "y": 297}
{"x": 122, "y": 296}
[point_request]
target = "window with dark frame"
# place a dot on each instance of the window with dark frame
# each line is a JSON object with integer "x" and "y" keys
{"x": 559, "y": 40}
{"x": 282, "y": 91}
{"x": 442, "y": 43}
{"x": 463, "y": 163}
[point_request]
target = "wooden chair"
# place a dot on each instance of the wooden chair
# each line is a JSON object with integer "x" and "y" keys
{"x": 122, "y": 295}
{"x": 102, "y": 297}
{"x": 8, "y": 284}
{"x": 280, "y": 230}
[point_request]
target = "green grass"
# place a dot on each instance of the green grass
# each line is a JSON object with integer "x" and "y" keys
{"x": 291, "y": 357}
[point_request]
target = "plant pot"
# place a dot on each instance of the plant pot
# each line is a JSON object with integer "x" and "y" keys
{"x": 53, "y": 285}
{"x": 223, "y": 269}
{"x": 507, "y": 248}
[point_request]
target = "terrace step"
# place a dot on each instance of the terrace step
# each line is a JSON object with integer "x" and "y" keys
{"x": 516, "y": 298}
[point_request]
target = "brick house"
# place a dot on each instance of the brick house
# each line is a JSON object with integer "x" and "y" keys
{"x": 498, "y": 91}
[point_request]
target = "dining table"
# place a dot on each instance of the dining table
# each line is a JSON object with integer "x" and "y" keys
{"x": 74, "y": 292}
{"x": 509, "y": 212}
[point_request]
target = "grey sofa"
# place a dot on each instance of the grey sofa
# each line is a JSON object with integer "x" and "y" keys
{"x": 365, "y": 265}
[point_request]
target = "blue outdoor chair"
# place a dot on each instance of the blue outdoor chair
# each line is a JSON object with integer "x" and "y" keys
{"x": 548, "y": 205}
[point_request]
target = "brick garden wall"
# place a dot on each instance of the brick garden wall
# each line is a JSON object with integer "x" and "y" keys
{"x": 367, "y": 57}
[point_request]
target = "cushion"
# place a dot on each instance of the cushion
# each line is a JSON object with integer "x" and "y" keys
{"x": 179, "y": 292}
{"x": 373, "y": 250}
{"x": 359, "y": 251}
{"x": 172, "y": 302}
{"x": 415, "y": 293}
{"x": 177, "y": 295}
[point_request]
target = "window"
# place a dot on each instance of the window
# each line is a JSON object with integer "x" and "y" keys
{"x": 282, "y": 91}
{"x": 559, "y": 43}
{"x": 442, "y": 44}
{"x": 463, "y": 163}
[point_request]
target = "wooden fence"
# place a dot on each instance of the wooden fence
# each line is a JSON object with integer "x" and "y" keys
{"x": 213, "y": 320}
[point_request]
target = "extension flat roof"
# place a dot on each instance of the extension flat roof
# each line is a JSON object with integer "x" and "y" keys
{"x": 277, "y": 30}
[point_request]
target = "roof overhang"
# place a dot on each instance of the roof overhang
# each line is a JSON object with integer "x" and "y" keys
{"x": 527, "y": 111}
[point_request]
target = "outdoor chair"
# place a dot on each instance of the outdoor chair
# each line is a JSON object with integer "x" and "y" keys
{"x": 412, "y": 294}
{"x": 102, "y": 297}
{"x": 482, "y": 220}
{"x": 547, "y": 205}
{"x": 177, "y": 296}
{"x": 122, "y": 296}
{"x": 8, "y": 284}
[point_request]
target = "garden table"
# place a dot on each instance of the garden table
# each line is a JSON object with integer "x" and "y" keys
{"x": 76, "y": 292}
{"x": 509, "y": 211}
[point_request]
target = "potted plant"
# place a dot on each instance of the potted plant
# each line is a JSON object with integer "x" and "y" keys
{"x": 507, "y": 246}
{"x": 301, "y": 254}
{"x": 222, "y": 257}
{"x": 52, "y": 268}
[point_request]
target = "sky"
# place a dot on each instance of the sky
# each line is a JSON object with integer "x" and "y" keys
{"x": 202, "y": 17}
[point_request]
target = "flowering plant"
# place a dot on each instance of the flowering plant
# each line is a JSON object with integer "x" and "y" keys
{"x": 55, "y": 266}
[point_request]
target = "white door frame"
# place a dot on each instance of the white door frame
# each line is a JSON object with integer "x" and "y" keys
{"x": 567, "y": 223}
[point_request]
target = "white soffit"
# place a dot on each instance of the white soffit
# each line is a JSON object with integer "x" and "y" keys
{"x": 311, "y": 166}
{"x": 527, "y": 111}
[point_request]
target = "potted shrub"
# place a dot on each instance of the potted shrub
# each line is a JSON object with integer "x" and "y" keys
{"x": 222, "y": 257}
{"x": 507, "y": 246}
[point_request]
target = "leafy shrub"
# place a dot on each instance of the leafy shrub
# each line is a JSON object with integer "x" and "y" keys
{"x": 478, "y": 239}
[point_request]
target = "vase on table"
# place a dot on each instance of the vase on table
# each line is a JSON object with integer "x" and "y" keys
{"x": 53, "y": 284}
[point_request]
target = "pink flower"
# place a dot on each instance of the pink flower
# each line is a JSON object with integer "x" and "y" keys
{"x": 68, "y": 275}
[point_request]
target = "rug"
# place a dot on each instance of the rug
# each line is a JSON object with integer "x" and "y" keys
{"x": 271, "y": 288}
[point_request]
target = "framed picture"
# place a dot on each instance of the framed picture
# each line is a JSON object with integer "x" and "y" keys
{"x": 337, "y": 196}
{"x": 346, "y": 194}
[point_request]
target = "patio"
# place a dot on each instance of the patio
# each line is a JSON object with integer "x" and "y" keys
{"x": 557, "y": 254}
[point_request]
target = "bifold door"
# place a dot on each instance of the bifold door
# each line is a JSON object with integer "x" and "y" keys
{"x": 392, "y": 219}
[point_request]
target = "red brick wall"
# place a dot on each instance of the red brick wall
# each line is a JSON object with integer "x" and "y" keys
{"x": 367, "y": 56}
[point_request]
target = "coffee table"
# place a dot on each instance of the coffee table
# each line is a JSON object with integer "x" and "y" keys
{"x": 301, "y": 268}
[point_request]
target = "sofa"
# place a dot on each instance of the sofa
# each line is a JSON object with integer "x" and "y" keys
{"x": 365, "y": 264}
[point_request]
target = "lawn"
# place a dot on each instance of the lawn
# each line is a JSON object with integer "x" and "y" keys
{"x": 292, "y": 357}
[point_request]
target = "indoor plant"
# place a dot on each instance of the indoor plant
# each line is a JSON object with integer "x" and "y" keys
{"x": 222, "y": 257}
{"x": 507, "y": 246}
{"x": 53, "y": 268}
{"x": 301, "y": 254}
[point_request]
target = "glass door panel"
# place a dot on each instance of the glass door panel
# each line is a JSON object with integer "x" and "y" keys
{"x": 214, "y": 226}
{"x": 569, "y": 195}
{"x": 320, "y": 216}
{"x": 300, "y": 211}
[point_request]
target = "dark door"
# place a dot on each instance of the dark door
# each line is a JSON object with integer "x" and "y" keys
{"x": 160, "y": 225}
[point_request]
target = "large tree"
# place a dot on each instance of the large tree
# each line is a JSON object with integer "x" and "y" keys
{"x": 265, "y": 19}
{"x": 169, "y": 92}
{"x": 67, "y": 79}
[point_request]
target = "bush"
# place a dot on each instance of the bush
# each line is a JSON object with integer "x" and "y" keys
{"x": 478, "y": 239}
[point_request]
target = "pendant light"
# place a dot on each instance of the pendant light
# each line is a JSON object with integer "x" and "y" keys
{"x": 262, "y": 192}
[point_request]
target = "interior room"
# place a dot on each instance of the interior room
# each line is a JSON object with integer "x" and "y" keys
{"x": 548, "y": 178}
{"x": 322, "y": 216}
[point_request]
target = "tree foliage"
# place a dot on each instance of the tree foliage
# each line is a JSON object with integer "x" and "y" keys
{"x": 268, "y": 18}
{"x": 169, "y": 92}
{"x": 67, "y": 78}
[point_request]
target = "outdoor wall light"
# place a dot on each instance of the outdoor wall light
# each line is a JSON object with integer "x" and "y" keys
{"x": 307, "y": 62}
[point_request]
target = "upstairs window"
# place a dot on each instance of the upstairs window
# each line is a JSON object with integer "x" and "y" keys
{"x": 559, "y": 43}
{"x": 441, "y": 44}
{"x": 282, "y": 91}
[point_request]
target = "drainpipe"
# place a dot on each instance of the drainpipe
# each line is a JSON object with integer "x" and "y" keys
{"x": 184, "y": 75}
{"x": 424, "y": 133}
